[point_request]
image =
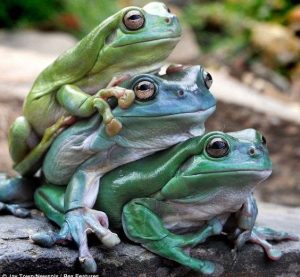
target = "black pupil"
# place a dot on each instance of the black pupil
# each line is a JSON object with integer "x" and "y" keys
{"x": 208, "y": 77}
{"x": 144, "y": 87}
{"x": 134, "y": 17}
{"x": 217, "y": 148}
{"x": 218, "y": 145}
{"x": 264, "y": 141}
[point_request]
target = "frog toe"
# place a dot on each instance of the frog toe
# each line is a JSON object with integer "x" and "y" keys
{"x": 127, "y": 99}
{"x": 274, "y": 254}
{"x": 88, "y": 264}
{"x": 217, "y": 226}
{"x": 110, "y": 240}
{"x": 208, "y": 268}
{"x": 20, "y": 212}
{"x": 48, "y": 239}
{"x": 44, "y": 239}
{"x": 15, "y": 209}
{"x": 113, "y": 127}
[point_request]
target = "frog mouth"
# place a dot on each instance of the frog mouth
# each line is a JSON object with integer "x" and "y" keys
{"x": 204, "y": 113}
{"x": 267, "y": 170}
{"x": 170, "y": 39}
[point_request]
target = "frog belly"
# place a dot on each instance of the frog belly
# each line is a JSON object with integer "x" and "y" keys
{"x": 192, "y": 215}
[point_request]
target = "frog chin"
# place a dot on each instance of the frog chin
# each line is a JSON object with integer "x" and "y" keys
{"x": 159, "y": 132}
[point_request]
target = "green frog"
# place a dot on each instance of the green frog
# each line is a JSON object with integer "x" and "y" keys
{"x": 176, "y": 198}
{"x": 168, "y": 109}
{"x": 78, "y": 83}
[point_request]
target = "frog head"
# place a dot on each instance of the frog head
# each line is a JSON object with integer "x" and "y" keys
{"x": 226, "y": 168}
{"x": 138, "y": 37}
{"x": 168, "y": 109}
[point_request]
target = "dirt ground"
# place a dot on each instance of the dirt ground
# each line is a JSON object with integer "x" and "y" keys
{"x": 283, "y": 140}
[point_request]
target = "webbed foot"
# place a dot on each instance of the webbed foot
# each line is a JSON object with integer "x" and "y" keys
{"x": 125, "y": 98}
{"x": 15, "y": 209}
{"x": 78, "y": 223}
{"x": 261, "y": 236}
{"x": 16, "y": 194}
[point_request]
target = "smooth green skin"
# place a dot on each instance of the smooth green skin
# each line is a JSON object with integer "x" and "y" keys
{"x": 142, "y": 195}
{"x": 81, "y": 155}
{"x": 65, "y": 87}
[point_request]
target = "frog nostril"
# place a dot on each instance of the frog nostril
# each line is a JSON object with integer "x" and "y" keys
{"x": 180, "y": 93}
{"x": 252, "y": 151}
{"x": 168, "y": 20}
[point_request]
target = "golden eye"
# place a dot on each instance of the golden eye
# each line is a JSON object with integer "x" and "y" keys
{"x": 134, "y": 20}
{"x": 217, "y": 148}
{"x": 144, "y": 91}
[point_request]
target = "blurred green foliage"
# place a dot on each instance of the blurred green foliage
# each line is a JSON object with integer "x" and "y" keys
{"x": 16, "y": 13}
{"x": 225, "y": 25}
{"x": 75, "y": 16}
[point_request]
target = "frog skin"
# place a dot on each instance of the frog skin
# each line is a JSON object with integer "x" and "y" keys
{"x": 134, "y": 40}
{"x": 168, "y": 109}
{"x": 179, "y": 197}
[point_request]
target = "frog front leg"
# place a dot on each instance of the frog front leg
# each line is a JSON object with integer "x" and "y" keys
{"x": 246, "y": 231}
{"x": 142, "y": 224}
{"x": 24, "y": 149}
{"x": 71, "y": 209}
{"x": 81, "y": 104}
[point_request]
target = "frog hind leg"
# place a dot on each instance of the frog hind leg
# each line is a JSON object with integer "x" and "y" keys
{"x": 50, "y": 200}
{"x": 16, "y": 194}
{"x": 31, "y": 162}
{"x": 143, "y": 226}
{"x": 21, "y": 139}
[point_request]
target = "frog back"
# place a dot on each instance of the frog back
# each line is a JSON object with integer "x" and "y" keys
{"x": 68, "y": 68}
{"x": 141, "y": 178}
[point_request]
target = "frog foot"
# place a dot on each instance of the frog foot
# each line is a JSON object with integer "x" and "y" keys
{"x": 260, "y": 236}
{"x": 51, "y": 132}
{"x": 78, "y": 223}
{"x": 125, "y": 96}
{"x": 112, "y": 125}
{"x": 17, "y": 210}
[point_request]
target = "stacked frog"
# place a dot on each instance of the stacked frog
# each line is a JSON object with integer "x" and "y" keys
{"x": 105, "y": 139}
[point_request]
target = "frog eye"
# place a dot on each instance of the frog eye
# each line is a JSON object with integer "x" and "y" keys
{"x": 208, "y": 80}
{"x": 263, "y": 140}
{"x": 144, "y": 91}
{"x": 217, "y": 148}
{"x": 133, "y": 20}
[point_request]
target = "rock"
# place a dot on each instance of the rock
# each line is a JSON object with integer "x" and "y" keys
{"x": 19, "y": 255}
